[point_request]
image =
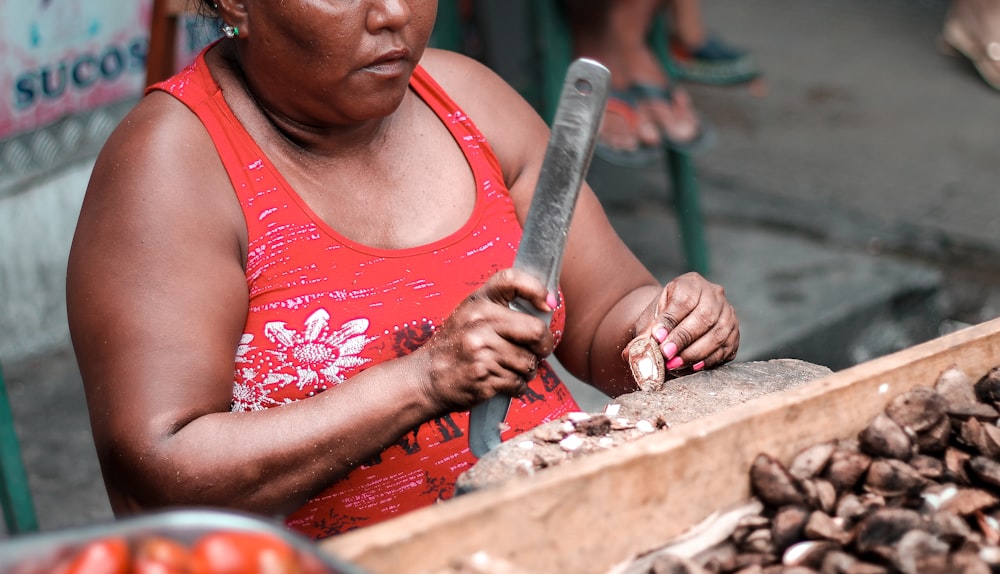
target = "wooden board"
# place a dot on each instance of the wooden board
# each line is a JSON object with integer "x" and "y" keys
{"x": 594, "y": 512}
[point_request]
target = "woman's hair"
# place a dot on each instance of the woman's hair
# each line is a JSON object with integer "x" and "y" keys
{"x": 207, "y": 8}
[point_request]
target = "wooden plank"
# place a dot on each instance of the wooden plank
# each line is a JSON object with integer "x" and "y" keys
{"x": 589, "y": 514}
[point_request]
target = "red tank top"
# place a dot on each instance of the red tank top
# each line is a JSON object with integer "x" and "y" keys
{"x": 323, "y": 307}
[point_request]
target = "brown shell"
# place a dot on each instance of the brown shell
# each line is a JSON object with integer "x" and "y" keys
{"x": 646, "y": 363}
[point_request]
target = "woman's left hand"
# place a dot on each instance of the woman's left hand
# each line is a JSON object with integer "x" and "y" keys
{"x": 694, "y": 323}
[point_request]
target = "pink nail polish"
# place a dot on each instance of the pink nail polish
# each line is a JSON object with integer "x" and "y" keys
{"x": 552, "y": 301}
{"x": 675, "y": 363}
{"x": 669, "y": 350}
{"x": 698, "y": 366}
{"x": 661, "y": 334}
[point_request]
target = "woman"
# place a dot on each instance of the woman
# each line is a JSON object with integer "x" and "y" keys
{"x": 290, "y": 277}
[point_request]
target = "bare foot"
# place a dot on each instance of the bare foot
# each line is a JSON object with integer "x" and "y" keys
{"x": 619, "y": 128}
{"x": 659, "y": 116}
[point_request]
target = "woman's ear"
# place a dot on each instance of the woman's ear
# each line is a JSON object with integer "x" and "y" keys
{"x": 233, "y": 14}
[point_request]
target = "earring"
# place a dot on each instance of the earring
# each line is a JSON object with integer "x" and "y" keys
{"x": 231, "y": 31}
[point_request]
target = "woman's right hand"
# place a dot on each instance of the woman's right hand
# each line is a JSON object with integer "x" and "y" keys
{"x": 485, "y": 348}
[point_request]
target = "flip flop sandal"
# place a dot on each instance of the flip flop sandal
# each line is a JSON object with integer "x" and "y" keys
{"x": 713, "y": 63}
{"x": 623, "y": 104}
{"x": 702, "y": 140}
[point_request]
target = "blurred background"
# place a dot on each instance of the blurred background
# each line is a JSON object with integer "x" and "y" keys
{"x": 848, "y": 203}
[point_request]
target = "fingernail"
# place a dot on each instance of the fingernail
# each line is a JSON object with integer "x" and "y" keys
{"x": 675, "y": 363}
{"x": 661, "y": 334}
{"x": 552, "y": 300}
{"x": 669, "y": 350}
{"x": 698, "y": 366}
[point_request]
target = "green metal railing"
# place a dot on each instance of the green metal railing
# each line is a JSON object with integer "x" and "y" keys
{"x": 15, "y": 493}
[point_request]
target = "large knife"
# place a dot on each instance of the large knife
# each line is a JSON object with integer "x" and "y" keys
{"x": 567, "y": 158}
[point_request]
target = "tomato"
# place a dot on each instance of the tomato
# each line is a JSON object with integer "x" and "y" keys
{"x": 243, "y": 553}
{"x": 104, "y": 556}
{"x": 161, "y": 555}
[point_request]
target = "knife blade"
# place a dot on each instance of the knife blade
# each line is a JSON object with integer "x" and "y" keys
{"x": 566, "y": 161}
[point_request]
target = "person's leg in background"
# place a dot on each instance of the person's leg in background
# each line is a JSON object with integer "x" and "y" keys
{"x": 972, "y": 29}
{"x": 699, "y": 56}
{"x": 644, "y": 110}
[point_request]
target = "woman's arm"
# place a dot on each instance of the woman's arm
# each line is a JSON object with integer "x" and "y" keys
{"x": 610, "y": 295}
{"x": 157, "y": 303}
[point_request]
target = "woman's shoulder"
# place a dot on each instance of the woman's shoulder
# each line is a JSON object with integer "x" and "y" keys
{"x": 513, "y": 128}
{"x": 157, "y": 132}
{"x": 476, "y": 88}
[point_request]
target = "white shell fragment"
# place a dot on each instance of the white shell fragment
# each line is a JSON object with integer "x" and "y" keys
{"x": 644, "y": 426}
{"x": 571, "y": 443}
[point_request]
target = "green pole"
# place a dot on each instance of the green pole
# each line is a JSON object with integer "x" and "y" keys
{"x": 447, "y": 33}
{"x": 15, "y": 493}
{"x": 689, "y": 216}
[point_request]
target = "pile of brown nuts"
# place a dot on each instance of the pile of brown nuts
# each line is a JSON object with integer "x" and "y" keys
{"x": 918, "y": 491}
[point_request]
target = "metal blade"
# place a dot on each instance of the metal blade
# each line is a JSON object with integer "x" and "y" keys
{"x": 567, "y": 159}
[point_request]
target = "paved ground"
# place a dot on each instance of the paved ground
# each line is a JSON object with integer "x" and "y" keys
{"x": 851, "y": 210}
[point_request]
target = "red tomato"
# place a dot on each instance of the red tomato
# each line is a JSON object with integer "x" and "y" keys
{"x": 161, "y": 555}
{"x": 243, "y": 553}
{"x": 104, "y": 556}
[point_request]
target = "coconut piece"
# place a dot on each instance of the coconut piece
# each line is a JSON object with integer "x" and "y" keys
{"x": 846, "y": 467}
{"x": 890, "y": 477}
{"x": 549, "y": 433}
{"x": 746, "y": 525}
{"x": 968, "y": 561}
{"x": 748, "y": 562}
{"x": 980, "y": 436}
{"x": 918, "y": 409}
{"x": 822, "y": 526}
{"x": 670, "y": 564}
{"x": 851, "y": 507}
{"x": 885, "y": 437}
{"x": 928, "y": 466}
{"x": 595, "y": 425}
{"x": 988, "y": 387}
{"x": 808, "y": 554}
{"x": 820, "y": 494}
{"x": 955, "y": 385}
{"x": 981, "y": 411}
{"x": 645, "y": 360}
{"x": 773, "y": 484}
{"x": 919, "y": 552}
{"x": 984, "y": 470}
{"x": 881, "y": 530}
{"x": 990, "y": 527}
{"x": 954, "y": 461}
{"x": 788, "y": 525}
{"x": 840, "y": 562}
{"x": 950, "y": 527}
{"x": 810, "y": 462}
{"x": 935, "y": 439}
{"x": 968, "y": 501}
{"x": 759, "y": 542}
